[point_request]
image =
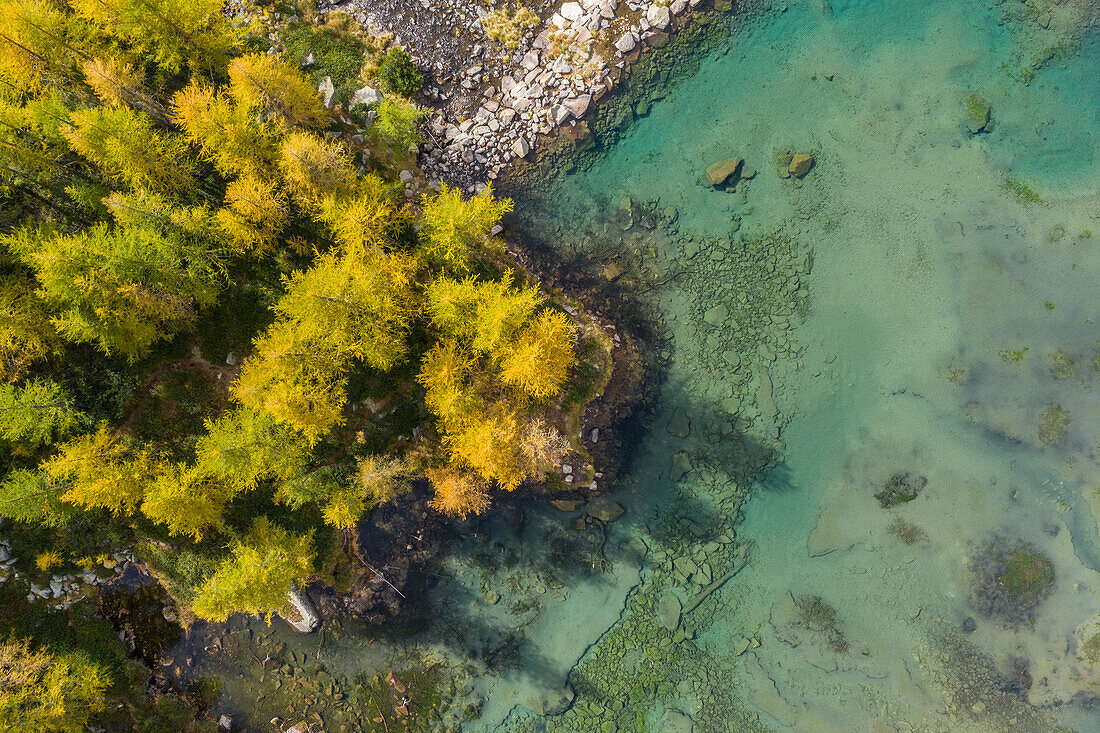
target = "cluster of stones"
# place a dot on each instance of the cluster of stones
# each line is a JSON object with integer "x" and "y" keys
{"x": 493, "y": 110}
{"x": 63, "y": 590}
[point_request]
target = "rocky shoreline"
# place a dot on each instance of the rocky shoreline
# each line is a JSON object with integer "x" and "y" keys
{"x": 493, "y": 105}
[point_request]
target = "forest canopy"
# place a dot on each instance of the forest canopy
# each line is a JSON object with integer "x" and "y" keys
{"x": 206, "y": 284}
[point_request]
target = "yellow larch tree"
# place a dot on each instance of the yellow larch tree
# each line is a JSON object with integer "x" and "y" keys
{"x": 102, "y": 471}
{"x": 539, "y": 359}
{"x": 271, "y": 89}
{"x": 452, "y": 227}
{"x": 458, "y": 493}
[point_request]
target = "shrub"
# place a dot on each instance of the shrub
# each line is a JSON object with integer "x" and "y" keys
{"x": 399, "y": 74}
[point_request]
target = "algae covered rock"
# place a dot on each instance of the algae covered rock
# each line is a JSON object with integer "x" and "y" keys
{"x": 676, "y": 722}
{"x": 668, "y": 611}
{"x": 800, "y": 164}
{"x": 679, "y": 424}
{"x": 721, "y": 172}
{"x": 977, "y": 113}
{"x": 604, "y": 508}
{"x": 1011, "y": 581}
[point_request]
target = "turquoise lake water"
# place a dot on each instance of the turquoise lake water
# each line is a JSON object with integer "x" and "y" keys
{"x": 946, "y": 334}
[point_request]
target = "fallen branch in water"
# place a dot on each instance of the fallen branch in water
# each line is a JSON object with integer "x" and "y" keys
{"x": 742, "y": 561}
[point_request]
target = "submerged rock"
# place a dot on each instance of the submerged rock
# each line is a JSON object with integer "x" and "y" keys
{"x": 977, "y": 113}
{"x": 668, "y": 611}
{"x": 675, "y": 721}
{"x": 604, "y": 508}
{"x": 800, "y": 165}
{"x": 717, "y": 315}
{"x": 680, "y": 424}
{"x": 720, "y": 172}
{"x": 681, "y": 466}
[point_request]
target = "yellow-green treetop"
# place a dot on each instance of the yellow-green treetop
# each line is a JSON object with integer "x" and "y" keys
{"x": 444, "y": 372}
{"x": 127, "y": 146}
{"x": 38, "y": 412}
{"x": 539, "y": 359}
{"x": 259, "y": 572}
{"x": 26, "y": 334}
{"x": 102, "y": 471}
{"x": 228, "y": 135}
{"x": 488, "y": 442}
{"x": 369, "y": 219}
{"x": 116, "y": 82}
{"x": 173, "y": 33}
{"x": 296, "y": 382}
{"x": 185, "y": 499}
{"x": 244, "y": 447}
{"x": 123, "y": 288}
{"x": 255, "y": 212}
{"x": 452, "y": 227}
{"x": 37, "y": 54}
{"x": 316, "y": 169}
{"x": 458, "y": 493}
{"x": 272, "y": 90}
{"x": 51, "y": 693}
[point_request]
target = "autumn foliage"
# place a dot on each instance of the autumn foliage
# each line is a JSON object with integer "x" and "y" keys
{"x": 152, "y": 171}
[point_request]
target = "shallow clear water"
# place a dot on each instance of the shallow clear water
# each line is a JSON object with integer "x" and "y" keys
{"x": 927, "y": 271}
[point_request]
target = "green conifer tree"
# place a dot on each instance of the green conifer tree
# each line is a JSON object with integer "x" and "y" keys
{"x": 38, "y": 412}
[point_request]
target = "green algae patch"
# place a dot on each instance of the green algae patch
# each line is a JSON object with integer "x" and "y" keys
{"x": 977, "y": 110}
{"x": 1012, "y": 578}
{"x": 1028, "y": 574}
{"x": 1014, "y": 356}
{"x": 900, "y": 488}
{"x": 1062, "y": 365}
{"x": 1022, "y": 191}
{"x": 1054, "y": 421}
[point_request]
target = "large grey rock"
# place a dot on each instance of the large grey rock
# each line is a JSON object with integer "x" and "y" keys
{"x": 626, "y": 43}
{"x": 559, "y": 113}
{"x": 578, "y": 105}
{"x": 668, "y": 611}
{"x": 571, "y": 11}
{"x": 520, "y": 148}
{"x": 302, "y": 618}
{"x": 366, "y": 96}
{"x": 658, "y": 16}
{"x": 327, "y": 90}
